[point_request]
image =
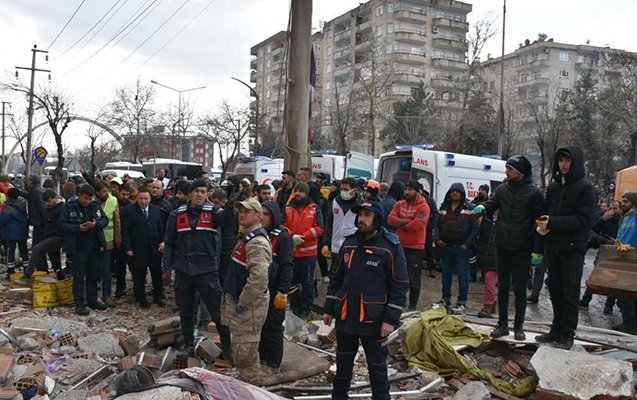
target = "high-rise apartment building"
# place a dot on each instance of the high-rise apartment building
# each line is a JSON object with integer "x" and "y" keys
{"x": 387, "y": 47}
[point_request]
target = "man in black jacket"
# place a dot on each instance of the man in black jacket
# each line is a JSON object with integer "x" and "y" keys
{"x": 279, "y": 278}
{"x": 157, "y": 198}
{"x": 520, "y": 203}
{"x": 143, "y": 242}
{"x": 36, "y": 207}
{"x": 82, "y": 223}
{"x": 52, "y": 241}
{"x": 569, "y": 210}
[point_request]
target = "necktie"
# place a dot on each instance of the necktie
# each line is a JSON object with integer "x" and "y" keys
{"x": 146, "y": 213}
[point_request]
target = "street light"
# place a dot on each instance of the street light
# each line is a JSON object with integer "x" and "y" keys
{"x": 256, "y": 114}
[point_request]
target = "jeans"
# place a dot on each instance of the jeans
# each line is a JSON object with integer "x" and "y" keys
{"x": 50, "y": 246}
{"x": 11, "y": 247}
{"x": 588, "y": 296}
{"x": 85, "y": 274}
{"x": 455, "y": 258}
{"x": 414, "y": 268}
{"x": 376, "y": 354}
{"x": 538, "y": 279}
{"x": 513, "y": 269}
{"x": 304, "y": 267}
{"x": 106, "y": 260}
{"x": 564, "y": 281}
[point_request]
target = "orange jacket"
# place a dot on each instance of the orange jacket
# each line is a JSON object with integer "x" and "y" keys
{"x": 414, "y": 233}
{"x": 306, "y": 221}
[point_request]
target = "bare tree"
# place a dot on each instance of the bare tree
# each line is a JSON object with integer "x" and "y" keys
{"x": 132, "y": 113}
{"x": 342, "y": 115}
{"x": 178, "y": 121}
{"x": 56, "y": 109}
{"x": 227, "y": 129}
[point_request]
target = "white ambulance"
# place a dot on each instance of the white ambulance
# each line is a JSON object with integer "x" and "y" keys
{"x": 260, "y": 169}
{"x": 437, "y": 170}
{"x": 332, "y": 167}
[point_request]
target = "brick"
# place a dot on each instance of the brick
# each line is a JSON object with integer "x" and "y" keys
{"x": 9, "y": 392}
{"x": 126, "y": 363}
{"x": 165, "y": 325}
{"x": 180, "y": 363}
{"x": 193, "y": 362}
{"x": 6, "y": 368}
{"x": 543, "y": 394}
{"x": 25, "y": 383}
{"x": 145, "y": 359}
{"x": 219, "y": 363}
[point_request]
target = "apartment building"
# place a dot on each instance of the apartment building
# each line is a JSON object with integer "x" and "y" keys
{"x": 538, "y": 75}
{"x": 415, "y": 41}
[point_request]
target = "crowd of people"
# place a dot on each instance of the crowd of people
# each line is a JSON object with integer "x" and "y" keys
{"x": 235, "y": 252}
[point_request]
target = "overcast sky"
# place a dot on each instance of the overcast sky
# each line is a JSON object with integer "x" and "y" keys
{"x": 217, "y": 44}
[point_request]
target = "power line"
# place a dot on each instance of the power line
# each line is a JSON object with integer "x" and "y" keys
{"x": 137, "y": 23}
{"x": 93, "y": 27}
{"x": 100, "y": 28}
{"x": 178, "y": 33}
{"x": 67, "y": 23}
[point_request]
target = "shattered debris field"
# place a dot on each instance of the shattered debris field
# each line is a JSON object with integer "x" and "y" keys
{"x": 51, "y": 353}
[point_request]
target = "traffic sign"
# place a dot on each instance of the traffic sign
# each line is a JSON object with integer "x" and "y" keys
{"x": 40, "y": 154}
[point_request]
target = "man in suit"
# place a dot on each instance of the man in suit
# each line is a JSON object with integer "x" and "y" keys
{"x": 143, "y": 242}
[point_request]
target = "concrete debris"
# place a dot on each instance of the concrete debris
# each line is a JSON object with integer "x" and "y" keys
{"x": 160, "y": 393}
{"x": 473, "y": 391}
{"x": 582, "y": 376}
{"x": 103, "y": 344}
{"x": 29, "y": 344}
{"x": 50, "y": 324}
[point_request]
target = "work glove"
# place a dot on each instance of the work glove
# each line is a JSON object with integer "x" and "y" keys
{"x": 478, "y": 210}
{"x": 536, "y": 259}
{"x": 165, "y": 277}
{"x": 280, "y": 301}
{"x": 326, "y": 252}
{"x": 298, "y": 239}
{"x": 622, "y": 246}
{"x": 239, "y": 308}
{"x": 542, "y": 225}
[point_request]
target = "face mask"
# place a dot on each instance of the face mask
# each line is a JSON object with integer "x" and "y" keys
{"x": 347, "y": 195}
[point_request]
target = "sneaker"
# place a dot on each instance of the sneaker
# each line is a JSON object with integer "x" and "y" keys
{"x": 532, "y": 299}
{"x": 59, "y": 274}
{"x": 24, "y": 281}
{"x": 98, "y": 305}
{"x": 519, "y": 334}
{"x": 500, "y": 331}
{"x": 326, "y": 279}
{"x": 186, "y": 351}
{"x": 564, "y": 342}
{"x": 108, "y": 301}
{"x": 549, "y": 337}
{"x": 159, "y": 302}
{"x": 441, "y": 303}
{"x": 81, "y": 310}
{"x": 458, "y": 309}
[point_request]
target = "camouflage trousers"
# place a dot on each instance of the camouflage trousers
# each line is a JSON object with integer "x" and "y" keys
{"x": 245, "y": 333}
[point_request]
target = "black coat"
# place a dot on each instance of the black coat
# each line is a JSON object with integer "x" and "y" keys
{"x": 142, "y": 236}
{"x": 486, "y": 245}
{"x": 51, "y": 217}
{"x": 35, "y": 205}
{"x": 280, "y": 271}
{"x": 571, "y": 203}
{"x": 72, "y": 216}
{"x": 520, "y": 204}
{"x": 165, "y": 207}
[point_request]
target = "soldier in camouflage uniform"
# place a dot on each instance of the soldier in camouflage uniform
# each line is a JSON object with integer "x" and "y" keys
{"x": 246, "y": 299}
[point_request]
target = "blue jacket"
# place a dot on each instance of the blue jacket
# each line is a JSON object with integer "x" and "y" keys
{"x": 14, "y": 220}
{"x": 72, "y": 216}
{"x": 468, "y": 222}
{"x": 368, "y": 285}
{"x": 142, "y": 236}
{"x": 628, "y": 229}
{"x": 192, "y": 244}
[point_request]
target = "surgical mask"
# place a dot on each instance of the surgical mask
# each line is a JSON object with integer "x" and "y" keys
{"x": 347, "y": 195}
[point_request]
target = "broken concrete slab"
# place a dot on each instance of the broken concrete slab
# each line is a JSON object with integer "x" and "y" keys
{"x": 473, "y": 390}
{"x": 102, "y": 344}
{"x": 29, "y": 344}
{"x": 6, "y": 368}
{"x": 48, "y": 324}
{"x": 160, "y": 393}
{"x": 583, "y": 376}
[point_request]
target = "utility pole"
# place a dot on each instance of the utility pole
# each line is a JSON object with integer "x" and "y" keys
{"x": 4, "y": 155}
{"x": 501, "y": 127}
{"x": 33, "y": 69}
{"x": 298, "y": 102}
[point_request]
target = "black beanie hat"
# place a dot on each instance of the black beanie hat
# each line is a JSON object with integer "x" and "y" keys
{"x": 520, "y": 164}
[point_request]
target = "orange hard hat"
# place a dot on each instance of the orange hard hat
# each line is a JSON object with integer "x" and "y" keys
{"x": 372, "y": 184}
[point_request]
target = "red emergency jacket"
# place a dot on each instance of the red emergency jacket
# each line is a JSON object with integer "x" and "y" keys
{"x": 414, "y": 234}
{"x": 305, "y": 220}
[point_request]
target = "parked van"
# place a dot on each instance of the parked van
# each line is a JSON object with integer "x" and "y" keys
{"x": 626, "y": 181}
{"x": 437, "y": 170}
{"x": 332, "y": 167}
{"x": 259, "y": 169}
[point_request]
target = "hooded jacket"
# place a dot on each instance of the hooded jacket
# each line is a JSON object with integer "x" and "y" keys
{"x": 280, "y": 271}
{"x": 306, "y": 219}
{"x": 368, "y": 284}
{"x": 571, "y": 202}
{"x": 394, "y": 195}
{"x": 520, "y": 204}
{"x": 467, "y": 222}
{"x": 14, "y": 220}
{"x": 414, "y": 233}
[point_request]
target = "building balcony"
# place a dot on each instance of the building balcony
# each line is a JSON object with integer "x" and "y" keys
{"x": 538, "y": 62}
{"x": 441, "y": 83}
{"x": 452, "y": 5}
{"x": 533, "y": 82}
{"x": 253, "y": 64}
{"x": 444, "y": 43}
{"x": 408, "y": 14}
{"x": 253, "y": 76}
{"x": 342, "y": 34}
{"x": 446, "y": 63}
{"x": 408, "y": 77}
{"x": 587, "y": 64}
{"x": 409, "y": 58}
{"x": 411, "y": 37}
{"x": 341, "y": 52}
{"x": 451, "y": 24}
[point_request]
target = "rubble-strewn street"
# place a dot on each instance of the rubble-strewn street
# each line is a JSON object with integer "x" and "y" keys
{"x": 55, "y": 353}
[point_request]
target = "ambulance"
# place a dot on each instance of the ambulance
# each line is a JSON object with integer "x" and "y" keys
{"x": 332, "y": 167}
{"x": 260, "y": 169}
{"x": 437, "y": 170}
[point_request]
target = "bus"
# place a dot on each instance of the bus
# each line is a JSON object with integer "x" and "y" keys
{"x": 123, "y": 165}
{"x": 174, "y": 168}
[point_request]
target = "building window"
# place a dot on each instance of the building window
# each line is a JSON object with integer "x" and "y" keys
{"x": 563, "y": 74}
{"x": 318, "y": 63}
{"x": 564, "y": 56}
{"x": 329, "y": 50}
{"x": 390, "y": 28}
{"x": 269, "y": 48}
{"x": 379, "y": 11}
{"x": 564, "y": 92}
{"x": 318, "y": 78}
{"x": 267, "y": 79}
{"x": 390, "y": 7}
{"x": 328, "y": 85}
{"x": 267, "y": 94}
{"x": 379, "y": 31}
{"x": 260, "y": 52}
{"x": 328, "y": 68}
{"x": 524, "y": 77}
{"x": 317, "y": 47}
{"x": 267, "y": 64}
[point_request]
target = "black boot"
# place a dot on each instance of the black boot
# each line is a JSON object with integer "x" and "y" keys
{"x": 226, "y": 346}
{"x": 501, "y": 330}
{"x": 549, "y": 337}
{"x": 187, "y": 351}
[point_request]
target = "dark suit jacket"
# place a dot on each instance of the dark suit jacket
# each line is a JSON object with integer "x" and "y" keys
{"x": 142, "y": 236}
